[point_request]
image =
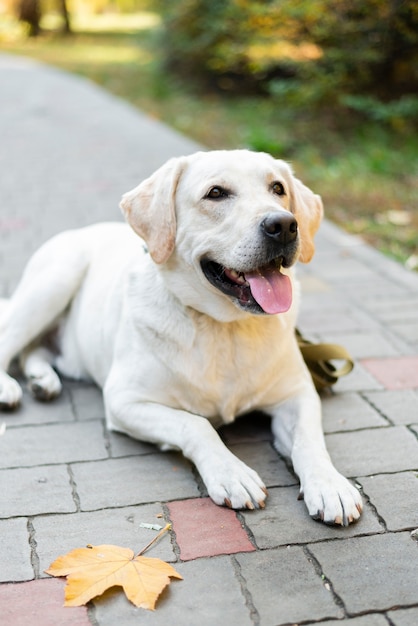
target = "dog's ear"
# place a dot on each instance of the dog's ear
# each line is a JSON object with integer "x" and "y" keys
{"x": 150, "y": 209}
{"x": 308, "y": 211}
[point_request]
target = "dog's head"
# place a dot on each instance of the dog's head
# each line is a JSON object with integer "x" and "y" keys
{"x": 228, "y": 221}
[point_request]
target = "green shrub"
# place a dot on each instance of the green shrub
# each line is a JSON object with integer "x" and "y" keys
{"x": 303, "y": 52}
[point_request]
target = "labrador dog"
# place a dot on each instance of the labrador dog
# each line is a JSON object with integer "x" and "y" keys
{"x": 185, "y": 318}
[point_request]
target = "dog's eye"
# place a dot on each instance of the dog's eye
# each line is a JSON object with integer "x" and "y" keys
{"x": 216, "y": 193}
{"x": 278, "y": 189}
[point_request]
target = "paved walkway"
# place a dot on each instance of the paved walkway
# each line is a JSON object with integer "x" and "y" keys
{"x": 67, "y": 153}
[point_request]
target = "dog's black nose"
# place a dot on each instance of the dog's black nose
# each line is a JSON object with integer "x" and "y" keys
{"x": 282, "y": 227}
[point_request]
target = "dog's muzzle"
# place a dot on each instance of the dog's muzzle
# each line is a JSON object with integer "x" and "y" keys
{"x": 264, "y": 288}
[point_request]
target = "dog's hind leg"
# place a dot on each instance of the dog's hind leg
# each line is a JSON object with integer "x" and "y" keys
{"x": 49, "y": 283}
{"x": 43, "y": 381}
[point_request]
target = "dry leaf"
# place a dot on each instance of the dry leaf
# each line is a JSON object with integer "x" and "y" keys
{"x": 91, "y": 571}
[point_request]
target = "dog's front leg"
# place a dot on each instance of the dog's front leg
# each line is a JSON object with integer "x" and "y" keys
{"x": 228, "y": 480}
{"x": 298, "y": 434}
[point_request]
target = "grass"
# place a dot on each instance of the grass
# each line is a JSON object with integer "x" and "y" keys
{"x": 366, "y": 173}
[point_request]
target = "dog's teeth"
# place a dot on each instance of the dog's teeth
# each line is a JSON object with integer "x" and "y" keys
{"x": 235, "y": 276}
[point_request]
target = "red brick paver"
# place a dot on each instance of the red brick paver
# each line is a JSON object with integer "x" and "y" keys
{"x": 204, "y": 529}
{"x": 394, "y": 373}
{"x": 38, "y": 602}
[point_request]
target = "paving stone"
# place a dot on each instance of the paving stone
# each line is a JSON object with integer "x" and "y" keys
{"x": 35, "y": 490}
{"x": 349, "y": 411}
{"x": 396, "y": 498}
{"x": 209, "y": 594}
{"x": 345, "y": 268}
{"x": 285, "y": 588}
{"x": 400, "y": 407}
{"x": 87, "y": 400}
{"x": 262, "y": 458}
{"x": 204, "y": 529}
{"x": 404, "y": 617}
{"x": 392, "y": 449}
{"x": 402, "y": 309}
{"x": 408, "y": 331}
{"x": 122, "y": 445}
{"x": 39, "y": 602}
{"x": 134, "y": 480}
{"x": 54, "y": 443}
{"x": 368, "y": 343}
{"x": 33, "y": 412}
{"x": 14, "y": 551}
{"x": 400, "y": 373}
{"x": 361, "y": 291}
{"x": 58, "y": 534}
{"x": 340, "y": 317}
{"x": 371, "y": 573}
{"x": 286, "y": 520}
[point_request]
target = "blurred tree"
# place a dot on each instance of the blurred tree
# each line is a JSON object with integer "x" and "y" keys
{"x": 62, "y": 5}
{"x": 30, "y": 12}
{"x": 314, "y": 50}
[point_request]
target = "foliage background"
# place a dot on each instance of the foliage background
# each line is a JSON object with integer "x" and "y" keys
{"x": 330, "y": 85}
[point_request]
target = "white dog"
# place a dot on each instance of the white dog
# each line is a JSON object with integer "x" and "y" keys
{"x": 189, "y": 327}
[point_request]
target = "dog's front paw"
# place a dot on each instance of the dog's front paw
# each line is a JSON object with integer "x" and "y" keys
{"x": 331, "y": 498}
{"x": 232, "y": 483}
{"x": 10, "y": 392}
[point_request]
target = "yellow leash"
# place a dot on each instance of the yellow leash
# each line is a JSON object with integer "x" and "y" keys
{"x": 318, "y": 357}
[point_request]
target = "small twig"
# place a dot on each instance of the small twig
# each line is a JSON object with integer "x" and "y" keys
{"x": 164, "y": 530}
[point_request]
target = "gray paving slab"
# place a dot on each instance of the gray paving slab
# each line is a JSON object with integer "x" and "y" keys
{"x": 371, "y": 573}
{"x": 31, "y": 412}
{"x": 209, "y": 594}
{"x": 35, "y": 490}
{"x": 285, "y": 521}
{"x": 122, "y": 445}
{"x": 392, "y": 449}
{"x": 86, "y": 399}
{"x": 58, "y": 534}
{"x": 395, "y": 310}
{"x": 15, "y": 551}
{"x": 395, "y": 497}
{"x": 52, "y": 443}
{"x": 404, "y": 617}
{"x": 400, "y": 407}
{"x": 285, "y": 587}
{"x": 337, "y": 317}
{"x": 367, "y": 343}
{"x": 349, "y": 411}
{"x": 132, "y": 480}
{"x": 264, "y": 459}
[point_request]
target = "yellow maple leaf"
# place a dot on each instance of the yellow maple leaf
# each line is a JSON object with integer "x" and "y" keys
{"x": 91, "y": 571}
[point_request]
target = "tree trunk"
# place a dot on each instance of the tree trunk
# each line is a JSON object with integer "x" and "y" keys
{"x": 30, "y": 12}
{"x": 65, "y": 16}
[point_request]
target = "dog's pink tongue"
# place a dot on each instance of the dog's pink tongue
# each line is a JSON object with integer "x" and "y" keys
{"x": 271, "y": 289}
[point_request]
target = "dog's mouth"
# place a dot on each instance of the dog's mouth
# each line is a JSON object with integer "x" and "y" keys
{"x": 263, "y": 290}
